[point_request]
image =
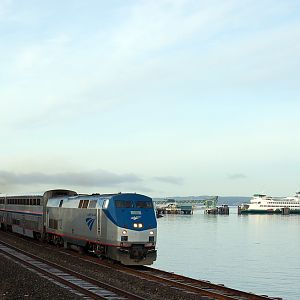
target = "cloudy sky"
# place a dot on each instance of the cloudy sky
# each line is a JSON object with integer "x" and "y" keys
{"x": 159, "y": 97}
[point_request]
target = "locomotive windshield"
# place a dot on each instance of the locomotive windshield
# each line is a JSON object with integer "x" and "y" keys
{"x": 131, "y": 204}
{"x": 123, "y": 204}
{"x": 144, "y": 204}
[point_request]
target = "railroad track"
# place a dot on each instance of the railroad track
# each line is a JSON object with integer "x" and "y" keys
{"x": 202, "y": 288}
{"x": 75, "y": 282}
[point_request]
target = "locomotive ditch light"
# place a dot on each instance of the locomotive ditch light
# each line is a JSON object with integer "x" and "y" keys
{"x": 124, "y": 231}
{"x": 151, "y": 232}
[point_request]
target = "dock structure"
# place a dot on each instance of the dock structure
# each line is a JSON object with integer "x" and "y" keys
{"x": 175, "y": 209}
{"x": 186, "y": 207}
{"x": 221, "y": 210}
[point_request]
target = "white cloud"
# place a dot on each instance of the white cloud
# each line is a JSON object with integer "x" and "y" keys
{"x": 98, "y": 178}
{"x": 60, "y": 71}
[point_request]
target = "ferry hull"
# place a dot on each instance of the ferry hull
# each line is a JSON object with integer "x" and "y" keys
{"x": 267, "y": 212}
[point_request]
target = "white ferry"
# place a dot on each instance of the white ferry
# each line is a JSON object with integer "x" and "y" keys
{"x": 263, "y": 204}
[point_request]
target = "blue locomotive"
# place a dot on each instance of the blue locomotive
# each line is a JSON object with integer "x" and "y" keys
{"x": 120, "y": 226}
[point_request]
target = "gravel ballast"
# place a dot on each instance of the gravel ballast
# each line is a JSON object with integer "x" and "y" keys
{"x": 19, "y": 283}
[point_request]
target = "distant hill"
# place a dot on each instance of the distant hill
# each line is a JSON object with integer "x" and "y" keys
{"x": 228, "y": 200}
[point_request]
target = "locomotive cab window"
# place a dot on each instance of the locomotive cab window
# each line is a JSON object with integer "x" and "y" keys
{"x": 83, "y": 203}
{"x": 105, "y": 204}
{"x": 92, "y": 203}
{"x": 123, "y": 204}
{"x": 144, "y": 204}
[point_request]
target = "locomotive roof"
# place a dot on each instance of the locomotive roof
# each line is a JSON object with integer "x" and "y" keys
{"x": 82, "y": 196}
{"x": 94, "y": 194}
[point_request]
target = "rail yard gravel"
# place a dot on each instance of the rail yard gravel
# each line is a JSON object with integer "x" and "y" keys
{"x": 19, "y": 283}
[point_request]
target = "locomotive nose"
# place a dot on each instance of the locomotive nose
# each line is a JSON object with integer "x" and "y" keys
{"x": 137, "y": 252}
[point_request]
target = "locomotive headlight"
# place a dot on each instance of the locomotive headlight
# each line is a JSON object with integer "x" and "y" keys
{"x": 124, "y": 232}
{"x": 151, "y": 232}
{"x": 137, "y": 225}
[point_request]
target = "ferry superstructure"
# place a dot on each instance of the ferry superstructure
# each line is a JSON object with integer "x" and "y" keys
{"x": 263, "y": 204}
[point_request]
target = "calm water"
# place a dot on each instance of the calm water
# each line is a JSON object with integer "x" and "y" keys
{"x": 255, "y": 253}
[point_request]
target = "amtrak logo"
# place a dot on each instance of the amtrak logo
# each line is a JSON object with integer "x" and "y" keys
{"x": 90, "y": 222}
{"x": 135, "y": 218}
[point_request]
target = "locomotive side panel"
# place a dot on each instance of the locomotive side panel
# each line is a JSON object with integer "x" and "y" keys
{"x": 72, "y": 224}
{"x": 74, "y": 219}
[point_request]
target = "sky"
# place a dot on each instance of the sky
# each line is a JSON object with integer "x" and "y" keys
{"x": 165, "y": 97}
